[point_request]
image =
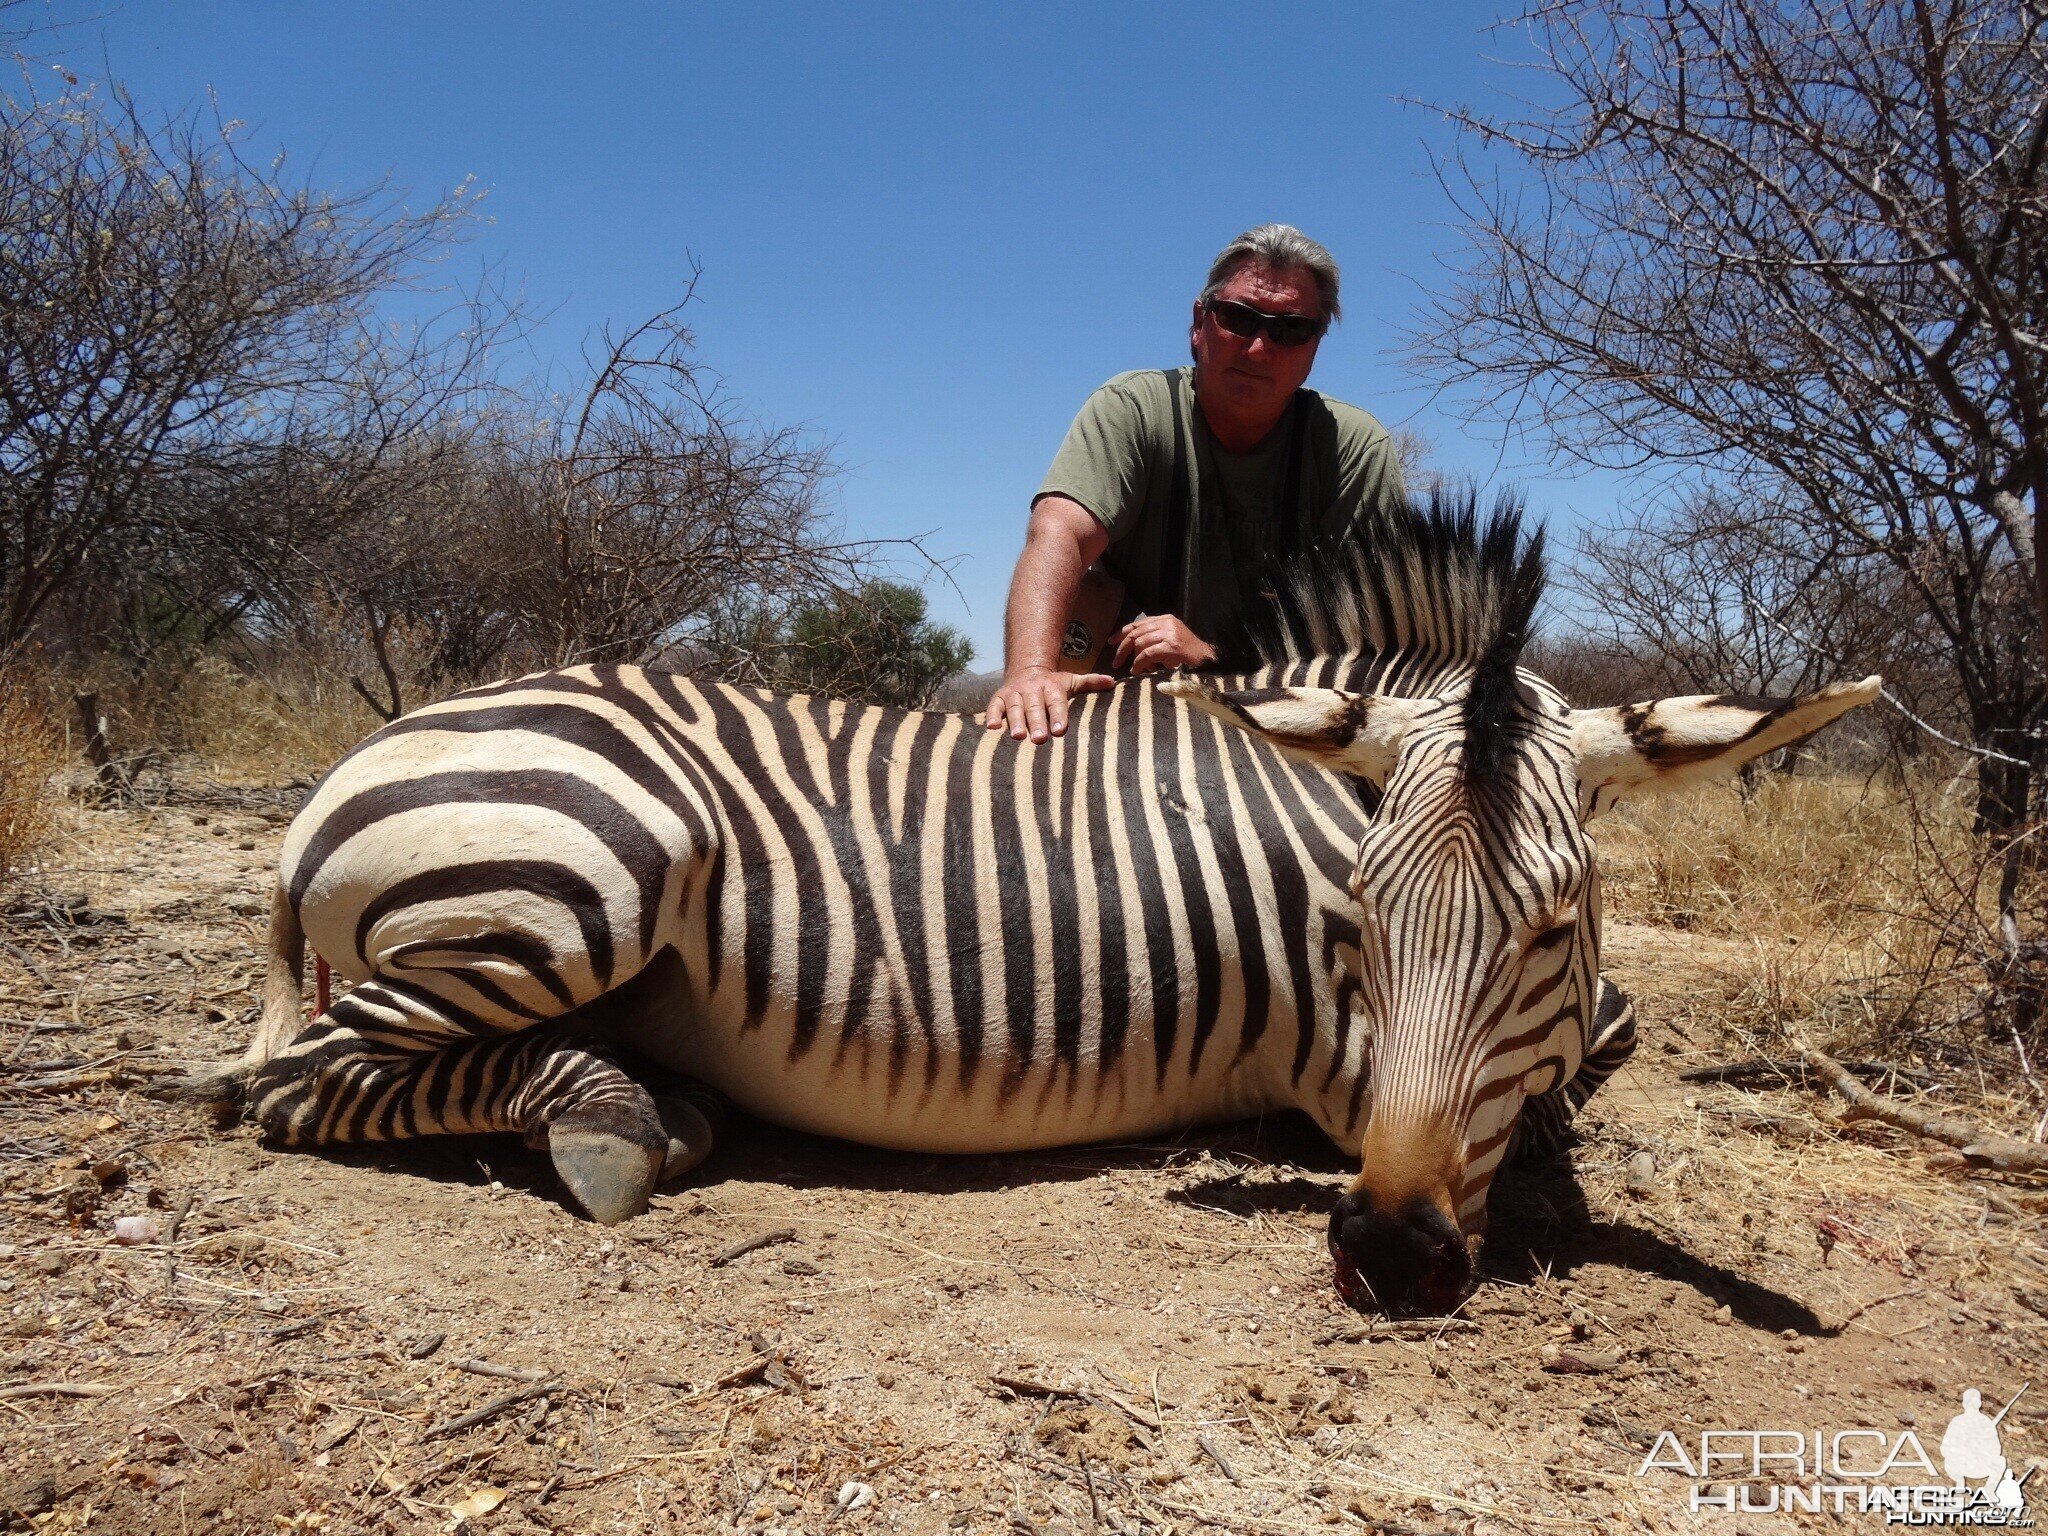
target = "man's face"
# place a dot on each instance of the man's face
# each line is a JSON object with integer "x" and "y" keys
{"x": 1254, "y": 376}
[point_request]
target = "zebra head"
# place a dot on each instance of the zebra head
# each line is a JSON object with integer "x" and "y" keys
{"x": 1476, "y": 879}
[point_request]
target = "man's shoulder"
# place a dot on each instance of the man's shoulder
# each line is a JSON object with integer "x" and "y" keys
{"x": 1354, "y": 426}
{"x": 1146, "y": 388}
{"x": 1138, "y": 404}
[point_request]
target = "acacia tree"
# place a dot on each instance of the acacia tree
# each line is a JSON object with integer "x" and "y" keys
{"x": 876, "y": 644}
{"x": 165, "y": 302}
{"x": 639, "y": 511}
{"x": 1801, "y": 247}
{"x": 1710, "y": 600}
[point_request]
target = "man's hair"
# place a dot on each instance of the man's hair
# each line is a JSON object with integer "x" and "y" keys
{"x": 1285, "y": 249}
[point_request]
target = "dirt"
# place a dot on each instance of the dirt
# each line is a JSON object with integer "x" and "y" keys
{"x": 1134, "y": 1338}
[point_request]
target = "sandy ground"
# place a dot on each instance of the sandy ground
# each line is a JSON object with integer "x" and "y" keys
{"x": 1123, "y": 1339}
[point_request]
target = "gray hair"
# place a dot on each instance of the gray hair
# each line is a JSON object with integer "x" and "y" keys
{"x": 1285, "y": 249}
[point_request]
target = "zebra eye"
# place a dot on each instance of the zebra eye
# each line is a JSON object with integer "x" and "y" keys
{"x": 1554, "y": 926}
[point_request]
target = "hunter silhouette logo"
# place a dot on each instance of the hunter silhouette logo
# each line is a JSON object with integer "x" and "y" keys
{"x": 1971, "y": 1448}
{"x": 1873, "y": 1471}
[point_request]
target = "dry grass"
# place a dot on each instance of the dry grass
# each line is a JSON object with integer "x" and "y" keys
{"x": 293, "y": 720}
{"x": 1812, "y": 853}
{"x": 1854, "y": 911}
{"x": 31, "y": 753}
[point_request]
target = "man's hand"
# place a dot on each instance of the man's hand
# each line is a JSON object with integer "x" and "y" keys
{"x": 1159, "y": 643}
{"x": 1032, "y": 701}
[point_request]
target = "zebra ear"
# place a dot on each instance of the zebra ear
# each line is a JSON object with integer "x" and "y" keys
{"x": 1666, "y": 743}
{"x": 1357, "y": 733}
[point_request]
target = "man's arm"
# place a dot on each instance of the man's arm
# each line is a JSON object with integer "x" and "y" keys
{"x": 1063, "y": 540}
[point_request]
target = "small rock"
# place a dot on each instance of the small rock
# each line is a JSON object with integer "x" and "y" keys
{"x": 1642, "y": 1176}
{"x": 885, "y": 1379}
{"x": 799, "y": 1267}
{"x": 25, "y": 1501}
{"x": 80, "y": 1194}
{"x": 1724, "y": 1313}
{"x": 49, "y": 1264}
{"x": 1579, "y": 1362}
{"x": 853, "y": 1496}
{"x": 110, "y": 1171}
{"x": 134, "y": 1231}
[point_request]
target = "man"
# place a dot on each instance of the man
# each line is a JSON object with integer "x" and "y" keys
{"x": 1183, "y": 484}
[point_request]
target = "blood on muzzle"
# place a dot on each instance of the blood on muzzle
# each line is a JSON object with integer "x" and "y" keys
{"x": 1408, "y": 1259}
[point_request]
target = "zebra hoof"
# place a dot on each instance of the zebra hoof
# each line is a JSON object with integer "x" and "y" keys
{"x": 609, "y": 1175}
{"x": 690, "y": 1136}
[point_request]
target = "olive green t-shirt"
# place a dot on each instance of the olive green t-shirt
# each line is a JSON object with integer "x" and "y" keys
{"x": 1118, "y": 462}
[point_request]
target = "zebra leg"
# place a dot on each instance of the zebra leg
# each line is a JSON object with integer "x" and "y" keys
{"x": 604, "y": 1133}
{"x": 386, "y": 1064}
{"x": 1545, "y": 1121}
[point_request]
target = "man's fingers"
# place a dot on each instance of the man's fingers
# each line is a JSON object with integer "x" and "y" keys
{"x": 1135, "y": 635}
{"x": 1094, "y": 682}
{"x": 1161, "y": 654}
{"x": 1034, "y": 716}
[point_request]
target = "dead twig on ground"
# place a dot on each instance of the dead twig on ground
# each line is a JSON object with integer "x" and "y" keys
{"x": 1755, "y": 1069}
{"x": 22, "y": 958}
{"x": 1980, "y": 1148}
{"x": 492, "y": 1409}
{"x": 506, "y": 1372}
{"x": 56, "y": 1389}
{"x": 1211, "y": 1450}
{"x": 1841, "y": 1324}
{"x": 1403, "y": 1328}
{"x": 753, "y": 1245}
{"x": 170, "y": 1241}
{"x": 1023, "y": 1386}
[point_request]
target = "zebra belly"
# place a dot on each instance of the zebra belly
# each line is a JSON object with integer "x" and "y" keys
{"x": 919, "y": 1099}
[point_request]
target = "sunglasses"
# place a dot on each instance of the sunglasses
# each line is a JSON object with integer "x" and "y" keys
{"x": 1243, "y": 320}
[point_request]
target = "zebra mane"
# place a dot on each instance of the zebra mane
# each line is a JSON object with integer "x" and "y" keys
{"x": 1423, "y": 595}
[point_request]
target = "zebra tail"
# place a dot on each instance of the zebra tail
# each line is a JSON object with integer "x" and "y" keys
{"x": 225, "y": 1083}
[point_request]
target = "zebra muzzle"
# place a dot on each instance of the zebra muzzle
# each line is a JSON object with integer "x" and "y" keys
{"x": 1410, "y": 1260}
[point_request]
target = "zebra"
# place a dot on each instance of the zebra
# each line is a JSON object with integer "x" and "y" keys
{"x": 1352, "y": 879}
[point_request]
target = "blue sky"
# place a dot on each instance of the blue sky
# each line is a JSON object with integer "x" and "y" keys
{"x": 926, "y": 232}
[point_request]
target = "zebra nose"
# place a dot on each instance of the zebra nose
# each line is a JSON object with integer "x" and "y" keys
{"x": 1407, "y": 1259}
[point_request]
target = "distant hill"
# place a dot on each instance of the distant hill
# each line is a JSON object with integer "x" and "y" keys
{"x": 966, "y": 692}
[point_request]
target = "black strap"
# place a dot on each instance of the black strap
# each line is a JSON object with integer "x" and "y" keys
{"x": 1293, "y": 520}
{"x": 1179, "y": 527}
